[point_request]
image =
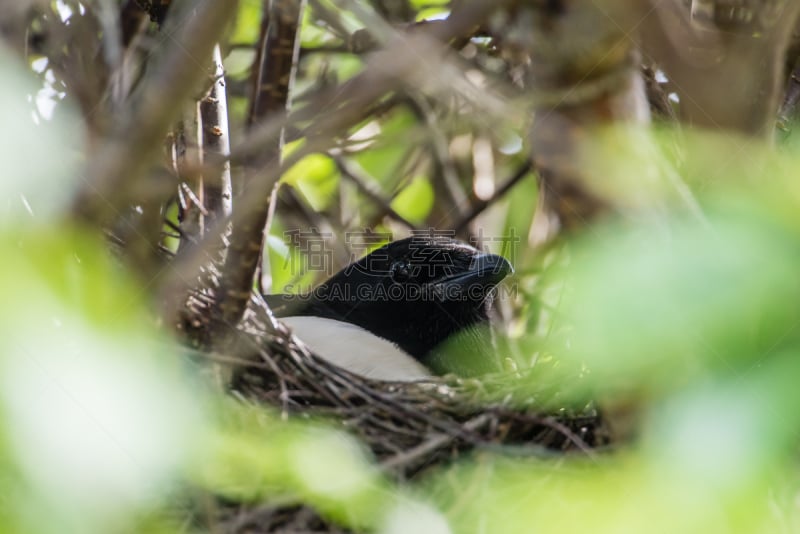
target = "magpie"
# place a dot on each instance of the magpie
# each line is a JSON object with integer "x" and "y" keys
{"x": 410, "y": 309}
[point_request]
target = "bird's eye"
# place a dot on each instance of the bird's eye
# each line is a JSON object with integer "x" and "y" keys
{"x": 400, "y": 271}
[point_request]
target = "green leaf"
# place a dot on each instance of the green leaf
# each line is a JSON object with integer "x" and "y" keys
{"x": 387, "y": 151}
{"x": 254, "y": 455}
{"x": 315, "y": 176}
{"x": 248, "y": 22}
{"x": 646, "y": 312}
{"x": 99, "y": 420}
{"x": 415, "y": 201}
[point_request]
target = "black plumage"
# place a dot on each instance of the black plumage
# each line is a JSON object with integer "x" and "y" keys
{"x": 416, "y": 293}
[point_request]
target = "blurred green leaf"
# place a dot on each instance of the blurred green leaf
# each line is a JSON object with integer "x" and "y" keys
{"x": 248, "y": 22}
{"x": 647, "y": 310}
{"x": 99, "y": 420}
{"x": 614, "y": 495}
{"x": 312, "y": 34}
{"x": 238, "y": 62}
{"x": 34, "y": 130}
{"x": 415, "y": 201}
{"x": 254, "y": 455}
{"x": 315, "y": 176}
{"x": 389, "y": 150}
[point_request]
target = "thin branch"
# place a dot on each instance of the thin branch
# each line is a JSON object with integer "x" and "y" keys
{"x": 370, "y": 191}
{"x": 441, "y": 153}
{"x": 132, "y": 20}
{"x": 481, "y": 205}
{"x": 436, "y": 441}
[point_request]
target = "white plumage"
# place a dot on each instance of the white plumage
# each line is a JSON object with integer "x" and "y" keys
{"x": 356, "y": 349}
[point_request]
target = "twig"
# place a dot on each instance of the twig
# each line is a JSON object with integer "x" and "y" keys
{"x": 187, "y": 159}
{"x": 437, "y": 441}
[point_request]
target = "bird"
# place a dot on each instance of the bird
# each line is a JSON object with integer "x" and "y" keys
{"x": 393, "y": 314}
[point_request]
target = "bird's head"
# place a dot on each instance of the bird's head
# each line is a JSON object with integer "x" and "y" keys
{"x": 417, "y": 293}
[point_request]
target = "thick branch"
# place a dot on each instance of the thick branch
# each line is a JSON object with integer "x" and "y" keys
{"x": 276, "y": 72}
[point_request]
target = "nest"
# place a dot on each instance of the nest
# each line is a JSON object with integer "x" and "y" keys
{"x": 410, "y": 427}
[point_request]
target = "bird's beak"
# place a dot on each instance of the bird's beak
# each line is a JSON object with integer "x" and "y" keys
{"x": 485, "y": 271}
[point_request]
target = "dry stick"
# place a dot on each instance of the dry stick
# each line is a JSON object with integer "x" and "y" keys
{"x": 481, "y": 205}
{"x": 436, "y": 441}
{"x": 276, "y": 73}
{"x": 371, "y": 191}
{"x": 216, "y": 141}
{"x": 569, "y": 434}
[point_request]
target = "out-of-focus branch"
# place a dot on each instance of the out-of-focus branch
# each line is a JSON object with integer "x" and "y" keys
{"x": 134, "y": 145}
{"x": 132, "y": 19}
{"x": 788, "y": 111}
{"x": 726, "y": 62}
{"x": 657, "y": 97}
{"x": 585, "y": 75}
